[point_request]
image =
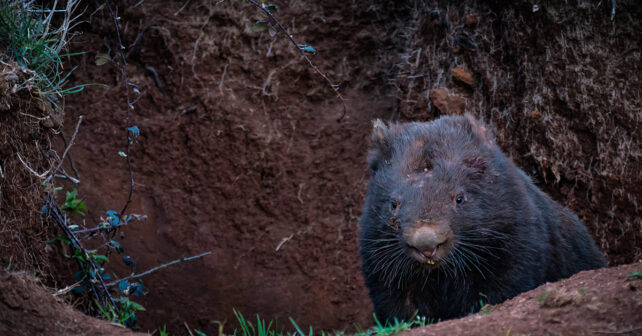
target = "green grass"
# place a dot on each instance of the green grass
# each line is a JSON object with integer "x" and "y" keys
{"x": 263, "y": 328}
{"x": 36, "y": 39}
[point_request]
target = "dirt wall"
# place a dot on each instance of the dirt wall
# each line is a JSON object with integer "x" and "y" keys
{"x": 560, "y": 82}
{"x": 241, "y": 153}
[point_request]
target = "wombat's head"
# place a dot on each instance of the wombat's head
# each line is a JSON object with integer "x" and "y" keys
{"x": 429, "y": 192}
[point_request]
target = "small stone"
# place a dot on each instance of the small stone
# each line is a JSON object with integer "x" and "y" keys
{"x": 439, "y": 98}
{"x": 447, "y": 103}
{"x": 463, "y": 76}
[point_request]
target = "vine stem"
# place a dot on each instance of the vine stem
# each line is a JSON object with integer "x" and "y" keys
{"x": 130, "y": 106}
{"x": 57, "y": 215}
{"x": 296, "y": 45}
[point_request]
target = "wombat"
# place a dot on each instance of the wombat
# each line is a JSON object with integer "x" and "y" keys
{"x": 450, "y": 223}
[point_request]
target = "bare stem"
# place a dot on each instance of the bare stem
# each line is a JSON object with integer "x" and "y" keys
{"x": 59, "y": 218}
{"x": 135, "y": 276}
{"x": 71, "y": 143}
{"x": 121, "y": 51}
{"x": 296, "y": 45}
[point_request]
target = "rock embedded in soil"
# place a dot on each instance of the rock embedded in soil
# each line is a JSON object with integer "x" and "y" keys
{"x": 447, "y": 103}
{"x": 463, "y": 76}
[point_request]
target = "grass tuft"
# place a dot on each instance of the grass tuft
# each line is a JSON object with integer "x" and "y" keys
{"x": 263, "y": 328}
{"x": 36, "y": 39}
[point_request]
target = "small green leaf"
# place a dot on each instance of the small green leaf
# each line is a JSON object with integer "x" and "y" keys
{"x": 259, "y": 26}
{"x": 100, "y": 257}
{"x": 136, "y": 306}
{"x": 71, "y": 195}
{"x": 82, "y": 206}
{"x": 117, "y": 246}
{"x": 121, "y": 153}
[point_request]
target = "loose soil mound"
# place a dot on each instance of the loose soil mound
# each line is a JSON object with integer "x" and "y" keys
{"x": 605, "y": 301}
{"x": 27, "y": 308}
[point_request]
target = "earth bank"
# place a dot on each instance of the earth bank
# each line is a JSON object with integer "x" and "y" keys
{"x": 241, "y": 152}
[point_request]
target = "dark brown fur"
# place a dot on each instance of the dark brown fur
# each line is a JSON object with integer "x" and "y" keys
{"x": 504, "y": 235}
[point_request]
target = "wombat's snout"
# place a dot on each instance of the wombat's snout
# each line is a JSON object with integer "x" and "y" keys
{"x": 424, "y": 242}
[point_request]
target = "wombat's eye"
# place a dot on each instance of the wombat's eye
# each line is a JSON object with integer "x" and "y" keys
{"x": 394, "y": 204}
{"x": 459, "y": 199}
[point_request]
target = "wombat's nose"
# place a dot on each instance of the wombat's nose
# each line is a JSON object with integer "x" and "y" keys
{"x": 426, "y": 240}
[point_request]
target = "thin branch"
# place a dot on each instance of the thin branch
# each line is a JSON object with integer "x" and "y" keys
{"x": 135, "y": 276}
{"x": 296, "y": 45}
{"x": 68, "y": 288}
{"x": 71, "y": 143}
{"x": 40, "y": 176}
{"x": 71, "y": 160}
{"x": 59, "y": 218}
{"x": 121, "y": 51}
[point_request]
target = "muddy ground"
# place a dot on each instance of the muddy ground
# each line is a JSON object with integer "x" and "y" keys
{"x": 244, "y": 150}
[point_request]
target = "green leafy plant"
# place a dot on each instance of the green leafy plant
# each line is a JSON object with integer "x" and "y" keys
{"x": 636, "y": 275}
{"x": 72, "y": 204}
{"x": 125, "y": 315}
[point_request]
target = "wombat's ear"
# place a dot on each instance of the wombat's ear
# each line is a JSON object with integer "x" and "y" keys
{"x": 481, "y": 130}
{"x": 379, "y": 130}
{"x": 381, "y": 152}
{"x": 381, "y": 135}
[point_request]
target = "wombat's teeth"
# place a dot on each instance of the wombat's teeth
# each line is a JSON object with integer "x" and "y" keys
{"x": 430, "y": 262}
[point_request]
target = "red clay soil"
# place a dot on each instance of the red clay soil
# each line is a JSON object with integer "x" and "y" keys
{"x": 241, "y": 153}
{"x": 598, "y": 302}
{"x": 244, "y": 157}
{"x": 27, "y": 308}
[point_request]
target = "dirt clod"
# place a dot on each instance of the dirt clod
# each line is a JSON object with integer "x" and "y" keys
{"x": 447, "y": 103}
{"x": 463, "y": 76}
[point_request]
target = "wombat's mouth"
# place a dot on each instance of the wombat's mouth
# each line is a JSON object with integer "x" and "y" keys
{"x": 429, "y": 258}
